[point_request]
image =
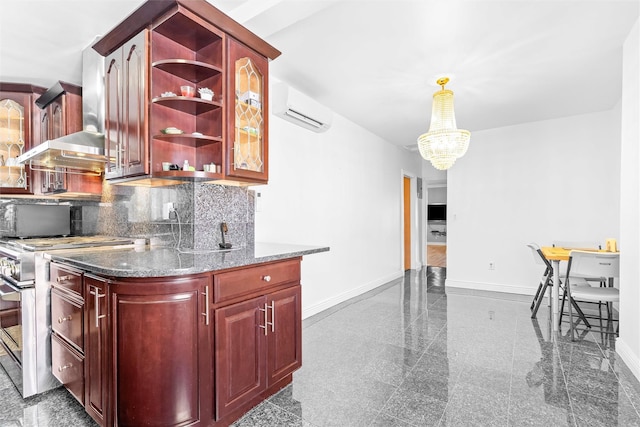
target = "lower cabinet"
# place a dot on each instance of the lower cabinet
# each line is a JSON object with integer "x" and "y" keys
{"x": 239, "y": 360}
{"x": 284, "y": 339}
{"x": 258, "y": 344}
{"x": 159, "y": 335}
{"x": 96, "y": 348}
{"x": 67, "y": 365}
{"x": 167, "y": 352}
{"x": 67, "y": 337}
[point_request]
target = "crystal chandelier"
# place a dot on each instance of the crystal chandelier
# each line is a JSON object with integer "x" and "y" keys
{"x": 444, "y": 142}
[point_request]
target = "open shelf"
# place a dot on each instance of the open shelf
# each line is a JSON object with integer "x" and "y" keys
{"x": 190, "y": 105}
{"x": 187, "y": 32}
{"x": 193, "y": 71}
{"x": 188, "y": 139}
{"x": 188, "y": 175}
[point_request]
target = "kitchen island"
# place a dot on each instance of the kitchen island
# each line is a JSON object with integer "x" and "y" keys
{"x": 157, "y": 336}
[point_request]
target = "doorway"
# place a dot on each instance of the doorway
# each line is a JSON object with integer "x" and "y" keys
{"x": 406, "y": 185}
{"x": 437, "y": 225}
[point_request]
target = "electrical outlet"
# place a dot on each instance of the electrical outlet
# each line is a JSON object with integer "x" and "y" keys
{"x": 258, "y": 201}
{"x": 167, "y": 209}
{"x": 492, "y": 265}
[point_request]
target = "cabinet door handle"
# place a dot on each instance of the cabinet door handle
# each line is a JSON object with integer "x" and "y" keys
{"x": 64, "y": 319}
{"x": 273, "y": 316}
{"x": 266, "y": 322}
{"x": 97, "y": 297}
{"x": 63, "y": 278}
{"x": 266, "y": 278}
{"x": 62, "y": 368}
{"x": 206, "y": 305}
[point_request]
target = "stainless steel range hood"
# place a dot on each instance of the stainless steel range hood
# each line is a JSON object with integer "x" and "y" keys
{"x": 82, "y": 150}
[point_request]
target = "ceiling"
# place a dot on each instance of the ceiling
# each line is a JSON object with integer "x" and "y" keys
{"x": 376, "y": 62}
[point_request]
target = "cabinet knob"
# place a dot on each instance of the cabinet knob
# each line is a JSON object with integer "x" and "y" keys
{"x": 62, "y": 278}
{"x": 63, "y": 319}
{"x": 266, "y": 278}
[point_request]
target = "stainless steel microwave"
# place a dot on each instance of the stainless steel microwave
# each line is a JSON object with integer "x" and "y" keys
{"x": 34, "y": 220}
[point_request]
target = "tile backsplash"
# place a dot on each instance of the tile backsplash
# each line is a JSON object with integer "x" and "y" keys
{"x": 200, "y": 209}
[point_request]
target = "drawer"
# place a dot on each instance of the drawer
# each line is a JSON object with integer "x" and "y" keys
{"x": 68, "y": 367}
{"x": 65, "y": 278}
{"x": 66, "y": 318}
{"x": 248, "y": 280}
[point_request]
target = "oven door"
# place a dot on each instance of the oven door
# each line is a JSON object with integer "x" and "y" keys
{"x": 11, "y": 321}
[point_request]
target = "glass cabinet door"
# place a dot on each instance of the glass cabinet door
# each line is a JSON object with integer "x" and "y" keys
{"x": 248, "y": 158}
{"x": 12, "y": 143}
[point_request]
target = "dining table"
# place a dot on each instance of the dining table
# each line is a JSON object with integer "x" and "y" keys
{"x": 555, "y": 254}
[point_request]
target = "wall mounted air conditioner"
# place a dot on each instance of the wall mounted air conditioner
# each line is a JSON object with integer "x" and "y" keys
{"x": 300, "y": 109}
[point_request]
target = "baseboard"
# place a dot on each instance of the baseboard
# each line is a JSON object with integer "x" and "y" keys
{"x": 352, "y": 293}
{"x": 491, "y": 287}
{"x": 488, "y": 294}
{"x": 628, "y": 357}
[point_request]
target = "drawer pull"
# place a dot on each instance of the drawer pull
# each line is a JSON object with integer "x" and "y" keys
{"x": 63, "y": 278}
{"x": 62, "y": 368}
{"x": 266, "y": 278}
{"x": 64, "y": 319}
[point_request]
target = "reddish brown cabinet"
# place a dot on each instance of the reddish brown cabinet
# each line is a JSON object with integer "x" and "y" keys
{"x": 67, "y": 366}
{"x": 247, "y": 93}
{"x": 257, "y": 344}
{"x": 239, "y": 361}
{"x": 19, "y": 118}
{"x": 126, "y": 109}
{"x": 187, "y": 43}
{"x": 66, "y": 318}
{"x": 202, "y": 362}
{"x": 193, "y": 59}
{"x": 67, "y": 326}
{"x": 160, "y": 340}
{"x": 284, "y": 338}
{"x": 96, "y": 348}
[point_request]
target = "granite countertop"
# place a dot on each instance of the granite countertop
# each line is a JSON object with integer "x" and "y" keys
{"x": 145, "y": 261}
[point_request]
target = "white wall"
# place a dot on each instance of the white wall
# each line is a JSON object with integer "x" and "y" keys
{"x": 536, "y": 182}
{"x": 438, "y": 194}
{"x": 342, "y": 189}
{"x": 628, "y": 345}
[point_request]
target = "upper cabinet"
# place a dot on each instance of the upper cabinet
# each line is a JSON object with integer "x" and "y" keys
{"x": 126, "y": 109}
{"x": 186, "y": 87}
{"x": 18, "y": 117}
{"x": 247, "y": 142}
{"x": 203, "y": 80}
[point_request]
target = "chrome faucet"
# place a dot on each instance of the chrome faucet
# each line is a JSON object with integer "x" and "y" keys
{"x": 223, "y": 231}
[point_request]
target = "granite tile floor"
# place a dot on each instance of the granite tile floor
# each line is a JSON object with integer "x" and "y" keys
{"x": 409, "y": 354}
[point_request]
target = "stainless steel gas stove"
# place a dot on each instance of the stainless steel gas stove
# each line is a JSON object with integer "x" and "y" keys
{"x": 25, "y": 301}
